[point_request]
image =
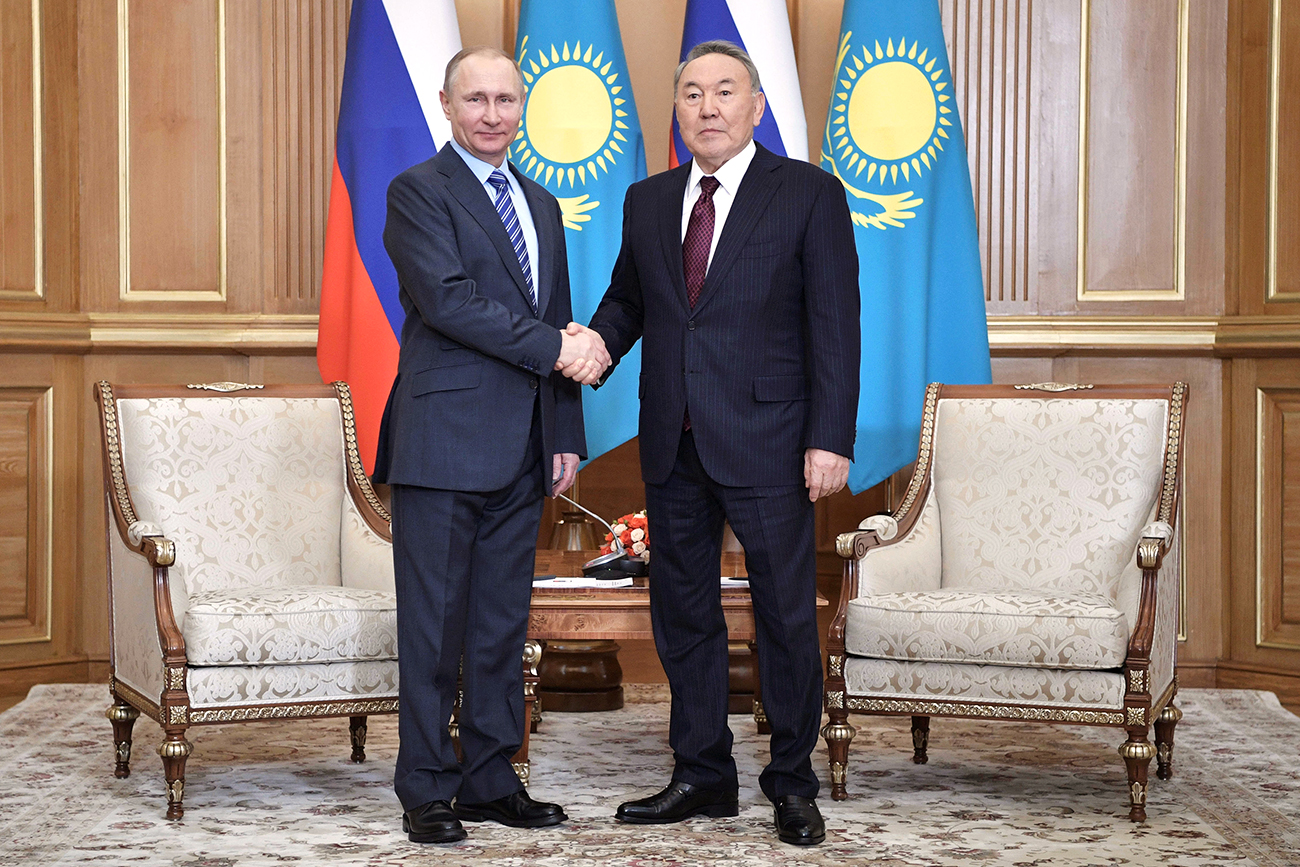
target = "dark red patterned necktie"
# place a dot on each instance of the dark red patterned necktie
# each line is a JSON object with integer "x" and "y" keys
{"x": 699, "y": 239}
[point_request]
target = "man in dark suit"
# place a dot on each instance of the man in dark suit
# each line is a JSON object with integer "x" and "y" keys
{"x": 477, "y": 428}
{"x": 738, "y": 272}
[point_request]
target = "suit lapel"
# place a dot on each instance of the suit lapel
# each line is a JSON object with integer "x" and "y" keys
{"x": 467, "y": 190}
{"x": 756, "y": 190}
{"x": 548, "y": 244}
{"x": 670, "y": 226}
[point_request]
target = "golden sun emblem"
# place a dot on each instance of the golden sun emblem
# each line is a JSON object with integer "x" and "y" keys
{"x": 888, "y": 118}
{"x": 573, "y": 123}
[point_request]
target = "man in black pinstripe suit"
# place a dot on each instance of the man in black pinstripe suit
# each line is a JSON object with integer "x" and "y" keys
{"x": 738, "y": 271}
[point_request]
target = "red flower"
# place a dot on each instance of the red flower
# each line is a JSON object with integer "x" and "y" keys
{"x": 633, "y": 531}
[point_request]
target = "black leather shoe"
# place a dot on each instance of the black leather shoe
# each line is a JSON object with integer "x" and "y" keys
{"x": 798, "y": 821}
{"x": 678, "y": 801}
{"x": 516, "y": 810}
{"x": 433, "y": 822}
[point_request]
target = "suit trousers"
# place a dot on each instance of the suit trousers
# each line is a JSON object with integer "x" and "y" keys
{"x": 775, "y": 526}
{"x": 464, "y": 570}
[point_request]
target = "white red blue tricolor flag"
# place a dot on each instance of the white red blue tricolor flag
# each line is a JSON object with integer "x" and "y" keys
{"x": 390, "y": 118}
{"x": 762, "y": 28}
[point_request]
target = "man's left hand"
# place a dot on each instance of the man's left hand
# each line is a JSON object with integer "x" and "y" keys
{"x": 563, "y": 472}
{"x": 824, "y": 472}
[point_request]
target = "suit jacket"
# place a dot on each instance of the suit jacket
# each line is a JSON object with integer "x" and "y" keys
{"x": 474, "y": 358}
{"x": 768, "y": 359}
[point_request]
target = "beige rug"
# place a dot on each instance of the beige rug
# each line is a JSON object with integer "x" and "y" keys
{"x": 284, "y": 793}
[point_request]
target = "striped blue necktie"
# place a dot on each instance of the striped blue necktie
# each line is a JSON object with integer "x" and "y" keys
{"x": 510, "y": 220}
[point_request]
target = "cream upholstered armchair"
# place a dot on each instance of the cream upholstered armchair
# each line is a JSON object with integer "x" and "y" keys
{"x": 1021, "y": 576}
{"x": 249, "y": 562}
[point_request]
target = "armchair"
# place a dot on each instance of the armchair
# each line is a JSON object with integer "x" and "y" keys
{"x": 249, "y": 564}
{"x": 1021, "y": 576}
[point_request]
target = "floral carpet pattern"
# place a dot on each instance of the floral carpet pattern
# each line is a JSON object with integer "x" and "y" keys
{"x": 993, "y": 794}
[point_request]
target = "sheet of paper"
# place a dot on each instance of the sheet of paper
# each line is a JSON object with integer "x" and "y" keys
{"x": 583, "y": 581}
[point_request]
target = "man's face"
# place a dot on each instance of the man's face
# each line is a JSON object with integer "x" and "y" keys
{"x": 485, "y": 106}
{"x": 717, "y": 109}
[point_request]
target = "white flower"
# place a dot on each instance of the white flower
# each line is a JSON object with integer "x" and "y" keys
{"x": 638, "y": 534}
{"x": 638, "y": 548}
{"x": 620, "y": 529}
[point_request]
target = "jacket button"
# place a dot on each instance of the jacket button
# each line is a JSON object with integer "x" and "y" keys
{"x": 532, "y": 383}
{"x": 690, "y": 325}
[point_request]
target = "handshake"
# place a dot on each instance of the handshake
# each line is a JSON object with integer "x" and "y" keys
{"x": 583, "y": 356}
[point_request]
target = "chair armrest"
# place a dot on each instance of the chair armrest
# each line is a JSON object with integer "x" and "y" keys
{"x": 366, "y": 555}
{"x": 140, "y": 580}
{"x": 1151, "y": 549}
{"x": 900, "y": 564}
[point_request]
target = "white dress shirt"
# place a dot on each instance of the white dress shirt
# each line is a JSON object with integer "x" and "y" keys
{"x": 729, "y": 176}
{"x": 482, "y": 171}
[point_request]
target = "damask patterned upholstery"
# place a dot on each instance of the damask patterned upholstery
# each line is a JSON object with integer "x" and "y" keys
{"x": 1021, "y": 576}
{"x": 1013, "y": 627}
{"x": 1045, "y": 494}
{"x": 250, "y": 564}
{"x": 250, "y": 489}
{"x": 998, "y": 684}
{"x": 290, "y": 625}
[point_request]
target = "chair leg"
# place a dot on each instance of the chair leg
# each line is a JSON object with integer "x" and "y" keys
{"x": 123, "y": 717}
{"x": 1165, "y": 723}
{"x": 920, "y": 739}
{"x": 838, "y": 733}
{"x": 1138, "y": 753}
{"x": 357, "y": 731}
{"x": 174, "y": 751}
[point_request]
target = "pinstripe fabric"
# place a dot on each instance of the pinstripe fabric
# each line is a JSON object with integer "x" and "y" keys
{"x": 505, "y": 207}
{"x": 768, "y": 359}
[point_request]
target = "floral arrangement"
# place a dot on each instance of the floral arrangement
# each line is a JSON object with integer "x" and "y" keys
{"x": 634, "y": 532}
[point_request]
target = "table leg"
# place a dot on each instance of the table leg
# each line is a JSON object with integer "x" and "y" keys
{"x": 760, "y": 717}
{"x": 532, "y": 655}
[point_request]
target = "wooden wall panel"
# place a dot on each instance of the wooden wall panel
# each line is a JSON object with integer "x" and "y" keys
{"x": 1265, "y": 432}
{"x": 20, "y": 151}
{"x": 26, "y": 517}
{"x": 1277, "y": 517}
{"x": 1132, "y": 140}
{"x": 303, "y": 49}
{"x": 991, "y": 51}
{"x": 172, "y": 111}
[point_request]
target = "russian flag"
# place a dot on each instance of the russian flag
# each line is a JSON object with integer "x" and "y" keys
{"x": 762, "y": 28}
{"x": 390, "y": 118}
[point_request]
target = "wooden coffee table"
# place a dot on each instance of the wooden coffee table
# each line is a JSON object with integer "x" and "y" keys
{"x": 607, "y": 613}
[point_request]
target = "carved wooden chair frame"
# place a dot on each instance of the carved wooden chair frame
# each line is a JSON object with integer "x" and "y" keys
{"x": 171, "y": 709}
{"x": 1141, "y": 710}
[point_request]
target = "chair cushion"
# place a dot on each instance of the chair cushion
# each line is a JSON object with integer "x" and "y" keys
{"x": 216, "y": 686}
{"x": 886, "y": 682}
{"x": 1016, "y": 628}
{"x": 290, "y": 625}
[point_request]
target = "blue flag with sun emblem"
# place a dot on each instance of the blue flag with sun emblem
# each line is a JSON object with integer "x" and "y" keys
{"x": 580, "y": 138}
{"x": 893, "y": 137}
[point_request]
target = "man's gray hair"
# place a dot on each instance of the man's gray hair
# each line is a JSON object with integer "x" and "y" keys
{"x": 719, "y": 46}
{"x": 453, "y": 65}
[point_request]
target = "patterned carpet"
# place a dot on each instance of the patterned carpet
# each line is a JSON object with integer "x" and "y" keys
{"x": 281, "y": 792}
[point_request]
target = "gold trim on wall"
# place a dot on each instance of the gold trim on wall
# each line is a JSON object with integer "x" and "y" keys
{"x": 125, "y": 292}
{"x": 1179, "y": 290}
{"x": 1274, "y": 86}
{"x": 38, "y": 169}
{"x": 45, "y": 488}
{"x": 1184, "y": 334}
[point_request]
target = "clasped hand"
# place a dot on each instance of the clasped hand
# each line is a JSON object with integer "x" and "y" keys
{"x": 583, "y": 356}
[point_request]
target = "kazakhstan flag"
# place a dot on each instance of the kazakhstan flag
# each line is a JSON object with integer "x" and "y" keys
{"x": 893, "y": 137}
{"x": 581, "y": 139}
